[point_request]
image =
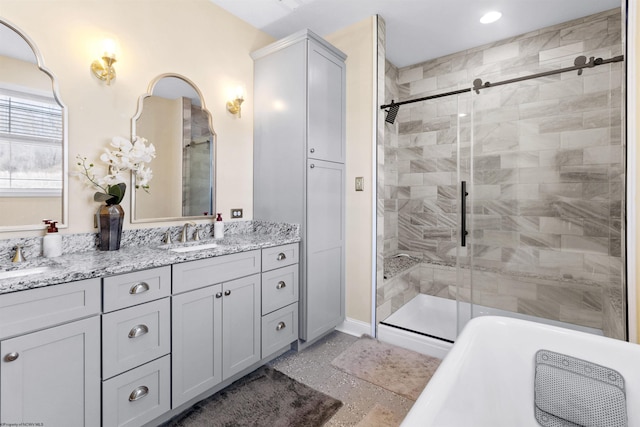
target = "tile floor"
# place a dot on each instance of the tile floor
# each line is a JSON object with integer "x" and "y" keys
{"x": 312, "y": 366}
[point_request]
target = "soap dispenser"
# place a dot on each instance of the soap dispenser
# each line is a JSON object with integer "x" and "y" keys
{"x": 52, "y": 241}
{"x": 218, "y": 227}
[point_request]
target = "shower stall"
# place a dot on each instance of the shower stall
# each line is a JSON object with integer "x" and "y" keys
{"x": 504, "y": 184}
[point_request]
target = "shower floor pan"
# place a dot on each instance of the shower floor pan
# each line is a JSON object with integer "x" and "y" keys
{"x": 428, "y": 321}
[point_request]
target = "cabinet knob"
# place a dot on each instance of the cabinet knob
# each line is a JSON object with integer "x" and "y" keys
{"x": 313, "y": 150}
{"x": 138, "y": 393}
{"x": 139, "y": 288}
{"x": 312, "y": 166}
{"x": 218, "y": 294}
{"x": 227, "y": 293}
{"x": 11, "y": 356}
{"x": 280, "y": 326}
{"x": 281, "y": 285}
{"x": 138, "y": 330}
{"x": 281, "y": 256}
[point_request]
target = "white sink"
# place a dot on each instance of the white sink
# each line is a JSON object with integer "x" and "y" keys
{"x": 24, "y": 272}
{"x": 195, "y": 248}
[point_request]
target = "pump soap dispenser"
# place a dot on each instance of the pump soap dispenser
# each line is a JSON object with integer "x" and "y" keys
{"x": 218, "y": 228}
{"x": 52, "y": 241}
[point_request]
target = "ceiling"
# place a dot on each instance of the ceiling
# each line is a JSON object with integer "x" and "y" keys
{"x": 416, "y": 30}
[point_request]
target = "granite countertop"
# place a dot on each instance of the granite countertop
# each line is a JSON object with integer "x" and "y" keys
{"x": 89, "y": 264}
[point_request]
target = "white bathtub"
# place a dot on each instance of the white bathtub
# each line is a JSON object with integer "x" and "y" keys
{"x": 487, "y": 379}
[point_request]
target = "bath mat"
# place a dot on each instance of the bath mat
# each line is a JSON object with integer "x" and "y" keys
{"x": 574, "y": 392}
{"x": 396, "y": 369}
{"x": 265, "y": 397}
{"x": 380, "y": 416}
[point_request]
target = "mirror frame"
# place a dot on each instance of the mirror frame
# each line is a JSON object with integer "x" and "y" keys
{"x": 64, "y": 220}
{"x": 213, "y": 160}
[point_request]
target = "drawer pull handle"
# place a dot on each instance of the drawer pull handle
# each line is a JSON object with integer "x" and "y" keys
{"x": 281, "y": 285}
{"x": 281, "y": 256}
{"x": 11, "y": 356}
{"x": 218, "y": 294}
{"x": 139, "y": 288}
{"x": 138, "y": 393}
{"x": 227, "y": 293}
{"x": 280, "y": 326}
{"x": 313, "y": 150}
{"x": 138, "y": 330}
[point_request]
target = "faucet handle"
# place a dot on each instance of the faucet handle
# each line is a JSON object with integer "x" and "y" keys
{"x": 19, "y": 256}
{"x": 196, "y": 235}
{"x": 167, "y": 237}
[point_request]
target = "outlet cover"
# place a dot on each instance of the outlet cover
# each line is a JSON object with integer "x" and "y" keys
{"x": 359, "y": 183}
{"x": 236, "y": 213}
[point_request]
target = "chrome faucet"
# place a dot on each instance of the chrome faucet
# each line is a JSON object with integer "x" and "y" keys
{"x": 185, "y": 228}
{"x": 19, "y": 256}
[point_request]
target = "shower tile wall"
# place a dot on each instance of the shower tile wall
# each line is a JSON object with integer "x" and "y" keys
{"x": 548, "y": 173}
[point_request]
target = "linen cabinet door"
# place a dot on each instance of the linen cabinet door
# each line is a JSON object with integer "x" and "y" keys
{"x": 326, "y": 103}
{"x": 196, "y": 354}
{"x": 52, "y": 376}
{"x": 241, "y": 324}
{"x": 323, "y": 294}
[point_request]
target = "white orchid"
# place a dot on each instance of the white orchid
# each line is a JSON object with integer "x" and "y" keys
{"x": 125, "y": 156}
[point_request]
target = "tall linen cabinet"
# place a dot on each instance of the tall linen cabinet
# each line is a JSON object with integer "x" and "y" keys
{"x": 299, "y": 170}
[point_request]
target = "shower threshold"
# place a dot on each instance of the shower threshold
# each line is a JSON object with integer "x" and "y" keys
{"x": 428, "y": 324}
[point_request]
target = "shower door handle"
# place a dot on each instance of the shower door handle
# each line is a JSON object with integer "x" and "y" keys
{"x": 463, "y": 213}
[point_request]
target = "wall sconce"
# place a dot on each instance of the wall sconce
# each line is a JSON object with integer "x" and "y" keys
{"x": 103, "y": 69}
{"x": 234, "y": 106}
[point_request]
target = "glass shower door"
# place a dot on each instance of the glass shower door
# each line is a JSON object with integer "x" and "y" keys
{"x": 545, "y": 178}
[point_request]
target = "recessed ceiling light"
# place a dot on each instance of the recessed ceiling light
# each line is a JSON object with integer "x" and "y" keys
{"x": 490, "y": 17}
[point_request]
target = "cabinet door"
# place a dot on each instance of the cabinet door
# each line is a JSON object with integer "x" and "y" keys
{"x": 326, "y": 87}
{"x": 323, "y": 291}
{"x": 241, "y": 324}
{"x": 55, "y": 379}
{"x": 196, "y": 354}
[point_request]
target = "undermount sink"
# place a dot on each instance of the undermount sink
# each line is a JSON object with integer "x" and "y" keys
{"x": 24, "y": 272}
{"x": 195, "y": 247}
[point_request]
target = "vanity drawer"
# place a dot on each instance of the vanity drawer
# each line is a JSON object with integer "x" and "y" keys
{"x": 137, "y": 396}
{"x": 280, "y": 256}
{"x": 279, "y": 288}
{"x": 34, "y": 309}
{"x": 198, "y": 274}
{"x": 279, "y": 329}
{"x": 135, "y": 335}
{"x": 125, "y": 290}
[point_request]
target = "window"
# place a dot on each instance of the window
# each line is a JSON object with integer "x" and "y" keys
{"x": 30, "y": 145}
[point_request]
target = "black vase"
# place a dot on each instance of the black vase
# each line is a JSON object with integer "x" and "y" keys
{"x": 110, "y": 218}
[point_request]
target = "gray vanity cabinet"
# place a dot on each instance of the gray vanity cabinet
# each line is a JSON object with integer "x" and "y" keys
{"x": 299, "y": 171}
{"x": 215, "y": 328}
{"x": 50, "y": 368}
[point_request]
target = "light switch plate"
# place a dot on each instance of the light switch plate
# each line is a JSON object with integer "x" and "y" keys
{"x": 236, "y": 213}
{"x": 359, "y": 183}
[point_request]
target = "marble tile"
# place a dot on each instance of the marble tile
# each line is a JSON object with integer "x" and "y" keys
{"x": 572, "y": 49}
{"x": 500, "y": 53}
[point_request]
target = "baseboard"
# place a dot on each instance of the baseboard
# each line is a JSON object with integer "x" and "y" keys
{"x": 354, "y": 327}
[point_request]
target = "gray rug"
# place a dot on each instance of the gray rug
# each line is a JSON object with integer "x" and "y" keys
{"x": 396, "y": 369}
{"x": 265, "y": 397}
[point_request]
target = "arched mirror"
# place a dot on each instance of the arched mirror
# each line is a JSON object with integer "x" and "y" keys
{"x": 172, "y": 116}
{"x": 33, "y": 137}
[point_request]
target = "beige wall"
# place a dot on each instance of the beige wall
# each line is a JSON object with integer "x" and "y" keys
{"x": 190, "y": 37}
{"x": 635, "y": 196}
{"x": 358, "y": 41}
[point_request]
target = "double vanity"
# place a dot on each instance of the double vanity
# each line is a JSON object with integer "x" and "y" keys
{"x": 135, "y": 336}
